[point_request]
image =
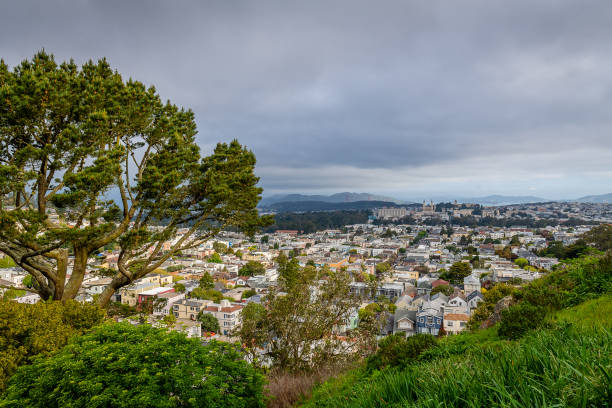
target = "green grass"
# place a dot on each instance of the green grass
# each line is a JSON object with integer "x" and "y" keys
{"x": 592, "y": 313}
{"x": 569, "y": 365}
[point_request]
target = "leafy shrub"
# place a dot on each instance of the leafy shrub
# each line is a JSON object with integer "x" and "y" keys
{"x": 252, "y": 268}
{"x": 39, "y": 329}
{"x": 486, "y": 308}
{"x": 248, "y": 293}
{"x": 574, "y": 282}
{"x": 520, "y": 318}
{"x": 120, "y": 365}
{"x": 398, "y": 350}
{"x": 209, "y": 322}
{"x": 445, "y": 289}
{"x": 207, "y": 294}
{"x": 120, "y": 309}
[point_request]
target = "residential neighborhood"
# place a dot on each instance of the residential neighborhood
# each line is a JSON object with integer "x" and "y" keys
{"x": 412, "y": 264}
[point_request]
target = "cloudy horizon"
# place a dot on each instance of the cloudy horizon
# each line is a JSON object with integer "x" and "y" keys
{"x": 403, "y": 98}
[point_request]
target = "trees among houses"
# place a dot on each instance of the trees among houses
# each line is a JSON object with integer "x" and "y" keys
{"x": 209, "y": 323}
{"x": 252, "y": 268}
{"x": 300, "y": 327}
{"x": 457, "y": 272}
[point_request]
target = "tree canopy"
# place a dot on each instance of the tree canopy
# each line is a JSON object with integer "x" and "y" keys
{"x": 600, "y": 237}
{"x": 209, "y": 323}
{"x": 113, "y": 162}
{"x": 120, "y": 365}
{"x": 457, "y": 272}
{"x": 299, "y": 329}
{"x": 252, "y": 268}
{"x": 207, "y": 281}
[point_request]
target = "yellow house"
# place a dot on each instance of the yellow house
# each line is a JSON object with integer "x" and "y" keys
{"x": 161, "y": 280}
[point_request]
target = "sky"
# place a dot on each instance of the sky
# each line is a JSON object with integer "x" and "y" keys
{"x": 408, "y": 98}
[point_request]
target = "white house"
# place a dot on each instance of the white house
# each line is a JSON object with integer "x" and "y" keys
{"x": 455, "y": 322}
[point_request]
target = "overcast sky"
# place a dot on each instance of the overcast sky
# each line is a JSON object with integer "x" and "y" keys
{"x": 406, "y": 98}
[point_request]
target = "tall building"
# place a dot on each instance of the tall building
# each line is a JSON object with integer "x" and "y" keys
{"x": 429, "y": 208}
{"x": 391, "y": 212}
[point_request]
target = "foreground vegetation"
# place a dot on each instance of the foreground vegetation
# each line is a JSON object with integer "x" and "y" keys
{"x": 41, "y": 329}
{"x": 553, "y": 348}
{"x": 120, "y": 365}
{"x": 559, "y": 367}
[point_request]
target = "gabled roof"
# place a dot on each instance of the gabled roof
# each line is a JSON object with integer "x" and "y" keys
{"x": 457, "y": 295}
{"x": 474, "y": 294}
{"x": 471, "y": 279}
{"x": 439, "y": 296}
{"x": 402, "y": 314}
{"x": 424, "y": 284}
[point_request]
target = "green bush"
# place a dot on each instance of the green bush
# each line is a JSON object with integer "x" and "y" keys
{"x": 120, "y": 365}
{"x": 399, "y": 351}
{"x": 209, "y": 323}
{"x": 520, "y": 318}
{"x": 27, "y": 331}
{"x": 574, "y": 282}
{"x": 445, "y": 289}
{"x": 248, "y": 293}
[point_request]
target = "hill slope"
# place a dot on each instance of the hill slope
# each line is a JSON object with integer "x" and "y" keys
{"x": 564, "y": 366}
{"x": 302, "y": 206}
{"x": 566, "y": 362}
{"x": 602, "y": 198}
{"x": 345, "y": 197}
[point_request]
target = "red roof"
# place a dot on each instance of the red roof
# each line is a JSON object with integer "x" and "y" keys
{"x": 438, "y": 283}
{"x": 223, "y": 309}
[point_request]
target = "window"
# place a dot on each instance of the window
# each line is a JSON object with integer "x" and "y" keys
{"x": 429, "y": 319}
{"x": 450, "y": 324}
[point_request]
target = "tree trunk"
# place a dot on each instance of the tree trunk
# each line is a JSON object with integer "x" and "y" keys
{"x": 109, "y": 291}
{"x": 78, "y": 273}
{"x": 62, "y": 267}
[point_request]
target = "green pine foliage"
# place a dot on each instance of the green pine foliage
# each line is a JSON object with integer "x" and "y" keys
{"x": 70, "y": 135}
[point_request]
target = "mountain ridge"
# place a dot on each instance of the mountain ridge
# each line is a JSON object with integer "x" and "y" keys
{"x": 597, "y": 198}
{"x": 344, "y": 197}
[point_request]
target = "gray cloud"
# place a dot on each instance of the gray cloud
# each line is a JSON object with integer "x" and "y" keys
{"x": 394, "y": 96}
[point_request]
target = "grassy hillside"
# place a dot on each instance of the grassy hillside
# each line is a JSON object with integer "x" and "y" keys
{"x": 566, "y": 362}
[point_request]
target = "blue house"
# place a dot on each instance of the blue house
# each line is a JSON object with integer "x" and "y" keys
{"x": 429, "y": 319}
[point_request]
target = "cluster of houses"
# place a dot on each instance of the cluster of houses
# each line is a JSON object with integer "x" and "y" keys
{"x": 415, "y": 254}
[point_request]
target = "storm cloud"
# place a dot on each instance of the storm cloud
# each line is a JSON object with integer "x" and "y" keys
{"x": 407, "y": 98}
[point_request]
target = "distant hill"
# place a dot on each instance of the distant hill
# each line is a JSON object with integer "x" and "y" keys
{"x": 334, "y": 198}
{"x": 602, "y": 198}
{"x": 304, "y": 206}
{"x": 497, "y": 199}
